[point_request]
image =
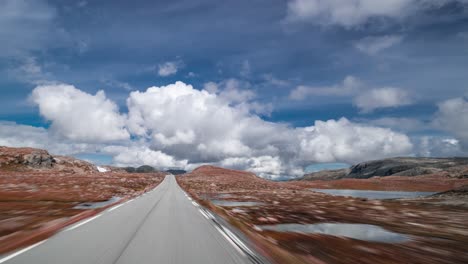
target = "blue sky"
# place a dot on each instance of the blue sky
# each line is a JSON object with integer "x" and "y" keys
{"x": 399, "y": 65}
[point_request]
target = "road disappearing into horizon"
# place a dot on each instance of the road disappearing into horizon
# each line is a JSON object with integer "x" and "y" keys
{"x": 161, "y": 226}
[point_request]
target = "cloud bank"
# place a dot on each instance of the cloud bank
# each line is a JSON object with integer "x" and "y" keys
{"x": 179, "y": 126}
{"x": 79, "y": 116}
{"x": 365, "y": 98}
{"x": 382, "y": 98}
{"x": 452, "y": 117}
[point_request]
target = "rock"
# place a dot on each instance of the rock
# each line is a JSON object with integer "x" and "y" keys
{"x": 176, "y": 171}
{"x": 326, "y": 175}
{"x": 404, "y": 167}
{"x": 145, "y": 169}
{"x": 39, "y": 159}
{"x": 30, "y": 159}
{"x": 25, "y": 159}
{"x": 409, "y": 166}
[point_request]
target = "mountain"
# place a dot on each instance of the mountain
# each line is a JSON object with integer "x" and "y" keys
{"x": 400, "y": 166}
{"x": 176, "y": 171}
{"x": 213, "y": 171}
{"x": 141, "y": 169}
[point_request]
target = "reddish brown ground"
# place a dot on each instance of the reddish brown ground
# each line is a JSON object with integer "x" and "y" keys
{"x": 423, "y": 183}
{"x": 37, "y": 201}
{"x": 439, "y": 232}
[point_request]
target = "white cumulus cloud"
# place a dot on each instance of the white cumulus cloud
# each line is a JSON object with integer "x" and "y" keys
{"x": 168, "y": 68}
{"x": 202, "y": 127}
{"x": 365, "y": 98}
{"x": 382, "y": 98}
{"x": 240, "y": 94}
{"x": 79, "y": 116}
{"x": 452, "y": 117}
{"x": 438, "y": 146}
{"x": 17, "y": 135}
{"x": 342, "y": 140}
{"x": 179, "y": 126}
{"x": 138, "y": 155}
{"x": 349, "y": 86}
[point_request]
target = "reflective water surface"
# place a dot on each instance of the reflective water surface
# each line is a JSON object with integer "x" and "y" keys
{"x": 356, "y": 231}
{"x": 373, "y": 194}
{"x": 94, "y": 205}
{"x": 234, "y": 203}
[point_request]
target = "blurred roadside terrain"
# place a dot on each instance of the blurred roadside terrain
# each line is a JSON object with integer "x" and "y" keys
{"x": 292, "y": 222}
{"x": 41, "y": 193}
{"x": 289, "y": 222}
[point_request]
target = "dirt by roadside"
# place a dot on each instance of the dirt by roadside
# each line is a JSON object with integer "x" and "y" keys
{"x": 437, "y": 232}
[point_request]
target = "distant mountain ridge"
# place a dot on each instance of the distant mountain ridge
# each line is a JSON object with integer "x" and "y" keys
{"x": 400, "y": 166}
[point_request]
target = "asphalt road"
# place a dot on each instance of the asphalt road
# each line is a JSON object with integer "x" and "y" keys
{"x": 162, "y": 226}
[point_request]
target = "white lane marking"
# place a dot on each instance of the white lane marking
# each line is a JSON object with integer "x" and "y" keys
{"x": 203, "y": 213}
{"x": 190, "y": 199}
{"x": 209, "y": 215}
{"x": 115, "y": 207}
{"x": 194, "y": 203}
{"x": 20, "y": 251}
{"x": 230, "y": 241}
{"x": 228, "y": 234}
{"x": 236, "y": 240}
{"x": 82, "y": 223}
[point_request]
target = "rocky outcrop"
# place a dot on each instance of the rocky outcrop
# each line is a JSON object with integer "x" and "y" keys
{"x": 405, "y": 167}
{"x": 70, "y": 164}
{"x": 451, "y": 167}
{"x": 327, "y": 175}
{"x": 25, "y": 158}
{"x": 141, "y": 169}
{"x": 176, "y": 171}
{"x": 31, "y": 159}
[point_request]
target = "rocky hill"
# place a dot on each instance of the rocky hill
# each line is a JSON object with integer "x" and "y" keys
{"x": 208, "y": 170}
{"x": 31, "y": 159}
{"x": 452, "y": 167}
{"x": 214, "y": 179}
{"x": 326, "y": 175}
{"x": 39, "y": 193}
{"x": 176, "y": 171}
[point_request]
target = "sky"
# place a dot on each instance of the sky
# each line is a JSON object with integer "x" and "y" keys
{"x": 269, "y": 86}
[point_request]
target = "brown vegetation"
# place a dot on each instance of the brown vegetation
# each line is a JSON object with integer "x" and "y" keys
{"x": 38, "y": 192}
{"x": 437, "y": 231}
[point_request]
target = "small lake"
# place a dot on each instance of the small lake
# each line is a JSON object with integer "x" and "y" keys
{"x": 234, "y": 203}
{"x": 374, "y": 194}
{"x": 94, "y": 205}
{"x": 357, "y": 231}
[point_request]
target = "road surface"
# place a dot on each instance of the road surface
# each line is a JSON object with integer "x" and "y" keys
{"x": 162, "y": 226}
